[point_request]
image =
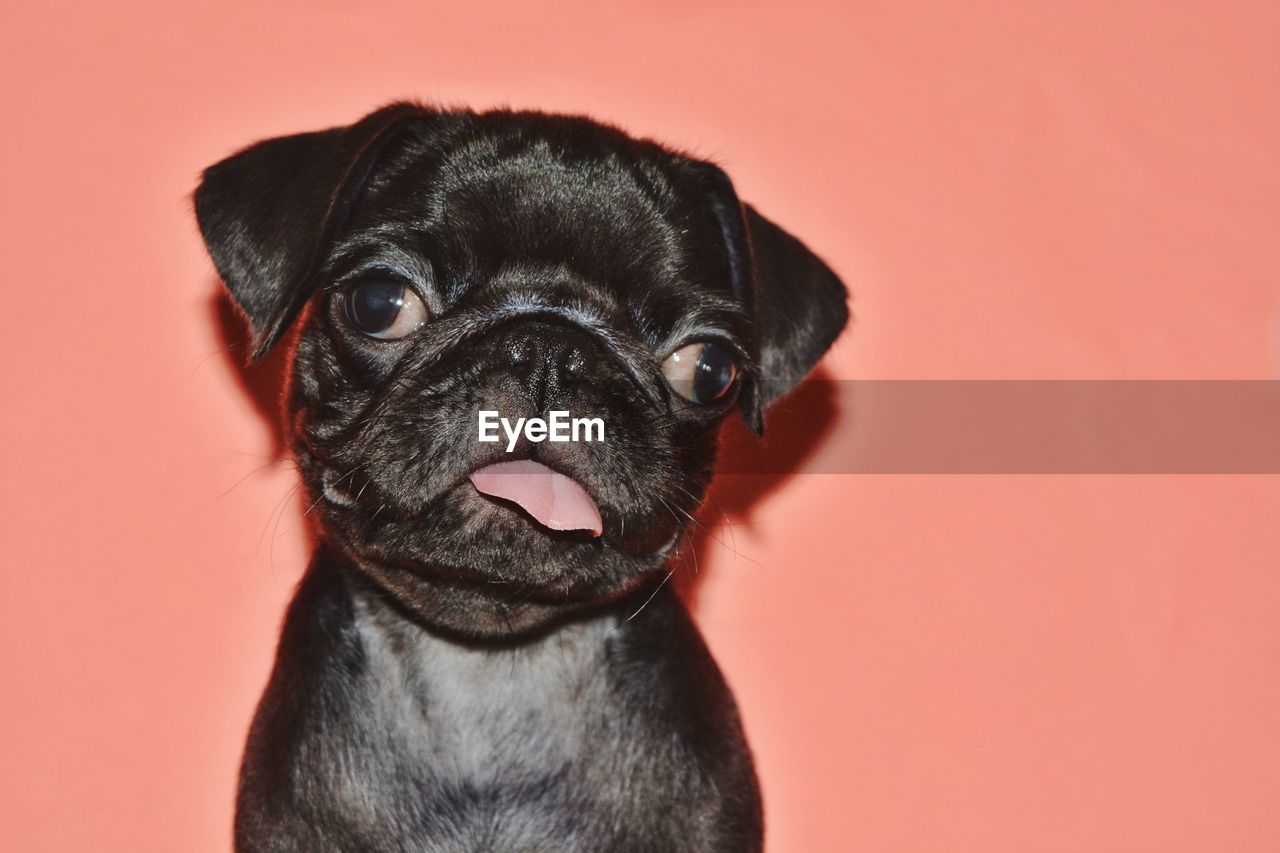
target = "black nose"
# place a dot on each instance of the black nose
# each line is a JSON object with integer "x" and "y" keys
{"x": 549, "y": 358}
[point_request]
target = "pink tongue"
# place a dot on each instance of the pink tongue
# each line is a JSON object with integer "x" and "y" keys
{"x": 554, "y": 500}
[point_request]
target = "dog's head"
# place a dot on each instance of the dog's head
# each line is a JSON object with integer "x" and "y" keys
{"x": 440, "y": 264}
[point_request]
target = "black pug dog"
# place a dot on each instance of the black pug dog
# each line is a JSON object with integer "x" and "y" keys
{"x": 482, "y": 655}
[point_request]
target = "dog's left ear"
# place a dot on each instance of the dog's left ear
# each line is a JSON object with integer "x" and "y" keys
{"x": 267, "y": 212}
{"x": 797, "y": 302}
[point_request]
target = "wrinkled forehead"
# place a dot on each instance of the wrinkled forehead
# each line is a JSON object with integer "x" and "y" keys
{"x": 493, "y": 203}
{"x": 533, "y": 206}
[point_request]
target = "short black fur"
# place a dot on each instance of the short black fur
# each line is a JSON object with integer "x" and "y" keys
{"x": 452, "y": 676}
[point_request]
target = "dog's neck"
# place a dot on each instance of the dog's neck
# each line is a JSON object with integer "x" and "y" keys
{"x": 474, "y": 699}
{"x": 388, "y": 633}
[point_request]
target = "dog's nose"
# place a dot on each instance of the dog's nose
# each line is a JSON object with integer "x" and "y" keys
{"x": 550, "y": 359}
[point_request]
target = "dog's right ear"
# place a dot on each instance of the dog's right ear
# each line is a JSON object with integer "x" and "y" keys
{"x": 267, "y": 212}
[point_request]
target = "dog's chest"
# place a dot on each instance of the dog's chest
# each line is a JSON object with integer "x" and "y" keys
{"x": 484, "y": 748}
{"x": 477, "y": 717}
{"x": 401, "y": 740}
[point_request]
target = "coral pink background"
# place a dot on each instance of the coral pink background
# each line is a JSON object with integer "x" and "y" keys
{"x": 1049, "y": 189}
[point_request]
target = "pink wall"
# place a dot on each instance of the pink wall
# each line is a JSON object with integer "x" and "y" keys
{"x": 979, "y": 663}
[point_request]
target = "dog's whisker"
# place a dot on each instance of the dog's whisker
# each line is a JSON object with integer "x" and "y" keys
{"x": 360, "y": 493}
{"x": 283, "y": 458}
{"x": 275, "y": 527}
{"x": 685, "y": 535}
{"x": 272, "y": 463}
{"x": 279, "y": 507}
{"x": 726, "y": 521}
{"x": 733, "y": 546}
{"x": 652, "y": 595}
{"x": 201, "y": 360}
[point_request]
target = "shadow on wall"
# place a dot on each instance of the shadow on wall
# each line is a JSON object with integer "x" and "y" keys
{"x": 263, "y": 382}
{"x": 795, "y": 426}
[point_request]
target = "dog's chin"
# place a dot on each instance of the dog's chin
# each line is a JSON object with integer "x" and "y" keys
{"x": 481, "y": 568}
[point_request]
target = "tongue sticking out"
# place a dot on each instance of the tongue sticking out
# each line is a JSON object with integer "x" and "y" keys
{"x": 554, "y": 500}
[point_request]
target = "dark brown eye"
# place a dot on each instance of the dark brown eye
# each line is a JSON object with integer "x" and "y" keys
{"x": 384, "y": 309}
{"x": 701, "y": 373}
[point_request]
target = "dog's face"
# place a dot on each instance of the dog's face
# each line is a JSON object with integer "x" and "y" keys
{"x": 443, "y": 264}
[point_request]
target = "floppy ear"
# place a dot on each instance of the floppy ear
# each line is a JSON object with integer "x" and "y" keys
{"x": 797, "y": 302}
{"x": 267, "y": 213}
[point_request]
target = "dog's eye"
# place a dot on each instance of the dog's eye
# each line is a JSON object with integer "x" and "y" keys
{"x": 701, "y": 373}
{"x": 384, "y": 309}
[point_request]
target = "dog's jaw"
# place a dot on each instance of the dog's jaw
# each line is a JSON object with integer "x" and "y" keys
{"x": 477, "y": 602}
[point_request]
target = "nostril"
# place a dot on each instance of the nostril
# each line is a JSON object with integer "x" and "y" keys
{"x": 520, "y": 350}
{"x": 574, "y": 362}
